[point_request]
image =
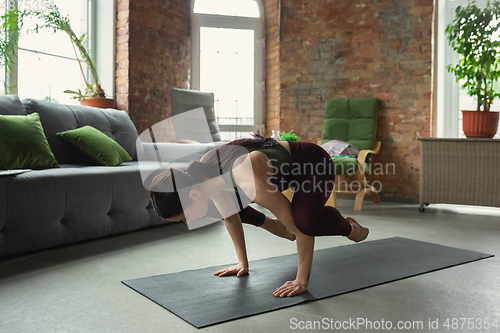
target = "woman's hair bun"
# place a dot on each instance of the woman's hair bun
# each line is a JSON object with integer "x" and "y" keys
{"x": 200, "y": 170}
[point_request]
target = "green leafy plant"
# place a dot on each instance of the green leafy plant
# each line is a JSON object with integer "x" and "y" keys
{"x": 473, "y": 36}
{"x": 12, "y": 23}
{"x": 289, "y": 136}
{"x": 79, "y": 95}
{"x": 8, "y": 43}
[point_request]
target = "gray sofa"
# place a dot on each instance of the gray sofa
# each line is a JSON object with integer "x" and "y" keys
{"x": 79, "y": 201}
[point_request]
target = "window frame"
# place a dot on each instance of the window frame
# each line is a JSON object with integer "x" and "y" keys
{"x": 102, "y": 48}
{"x": 447, "y": 113}
{"x": 234, "y": 22}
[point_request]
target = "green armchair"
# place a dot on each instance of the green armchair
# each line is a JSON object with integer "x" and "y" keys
{"x": 353, "y": 121}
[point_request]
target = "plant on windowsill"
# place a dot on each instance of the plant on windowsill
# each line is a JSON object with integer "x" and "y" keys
{"x": 52, "y": 19}
{"x": 472, "y": 36}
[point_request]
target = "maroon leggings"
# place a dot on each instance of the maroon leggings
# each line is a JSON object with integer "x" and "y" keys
{"x": 312, "y": 174}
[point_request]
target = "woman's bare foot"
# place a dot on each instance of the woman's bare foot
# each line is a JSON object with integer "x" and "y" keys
{"x": 358, "y": 232}
{"x": 275, "y": 227}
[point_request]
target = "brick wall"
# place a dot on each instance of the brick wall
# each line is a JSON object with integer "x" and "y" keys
{"x": 315, "y": 49}
{"x": 122, "y": 54}
{"x": 272, "y": 19}
{"x": 153, "y": 56}
{"x": 361, "y": 48}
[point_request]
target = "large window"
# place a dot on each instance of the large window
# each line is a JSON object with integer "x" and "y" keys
{"x": 47, "y": 64}
{"x": 228, "y": 49}
{"x": 3, "y": 74}
{"x": 450, "y": 97}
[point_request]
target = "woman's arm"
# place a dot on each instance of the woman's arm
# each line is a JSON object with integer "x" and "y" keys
{"x": 253, "y": 180}
{"x": 235, "y": 229}
{"x": 279, "y": 205}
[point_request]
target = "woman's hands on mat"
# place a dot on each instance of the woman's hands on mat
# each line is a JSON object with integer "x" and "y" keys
{"x": 239, "y": 270}
{"x": 280, "y": 206}
{"x": 291, "y": 288}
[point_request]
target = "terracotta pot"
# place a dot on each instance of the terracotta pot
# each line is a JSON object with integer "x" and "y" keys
{"x": 480, "y": 124}
{"x": 99, "y": 102}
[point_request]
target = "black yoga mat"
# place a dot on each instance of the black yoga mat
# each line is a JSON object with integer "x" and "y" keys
{"x": 202, "y": 299}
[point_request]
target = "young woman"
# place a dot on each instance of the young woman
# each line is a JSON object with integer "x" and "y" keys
{"x": 271, "y": 167}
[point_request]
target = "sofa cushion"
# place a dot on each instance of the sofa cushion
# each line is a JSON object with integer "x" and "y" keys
{"x": 23, "y": 144}
{"x": 96, "y": 145}
{"x": 11, "y": 105}
{"x": 59, "y": 118}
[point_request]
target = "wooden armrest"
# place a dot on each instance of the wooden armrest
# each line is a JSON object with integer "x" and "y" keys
{"x": 184, "y": 141}
{"x": 364, "y": 154}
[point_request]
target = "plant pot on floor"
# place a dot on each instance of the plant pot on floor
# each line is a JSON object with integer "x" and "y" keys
{"x": 99, "y": 102}
{"x": 480, "y": 124}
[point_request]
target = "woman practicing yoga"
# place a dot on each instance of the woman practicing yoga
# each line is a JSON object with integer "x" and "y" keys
{"x": 266, "y": 169}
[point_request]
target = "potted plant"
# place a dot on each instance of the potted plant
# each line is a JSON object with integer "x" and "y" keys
{"x": 472, "y": 36}
{"x": 290, "y": 136}
{"x": 52, "y": 19}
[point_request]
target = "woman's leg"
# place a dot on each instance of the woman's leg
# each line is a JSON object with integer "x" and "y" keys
{"x": 313, "y": 186}
{"x": 251, "y": 216}
{"x": 248, "y": 215}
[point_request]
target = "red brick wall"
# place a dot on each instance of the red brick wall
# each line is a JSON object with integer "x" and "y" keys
{"x": 361, "y": 48}
{"x": 122, "y": 53}
{"x": 153, "y": 56}
{"x": 272, "y": 19}
{"x": 315, "y": 49}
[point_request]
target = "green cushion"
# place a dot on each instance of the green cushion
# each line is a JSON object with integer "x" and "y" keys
{"x": 347, "y": 165}
{"x": 23, "y": 144}
{"x": 96, "y": 145}
{"x": 351, "y": 120}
